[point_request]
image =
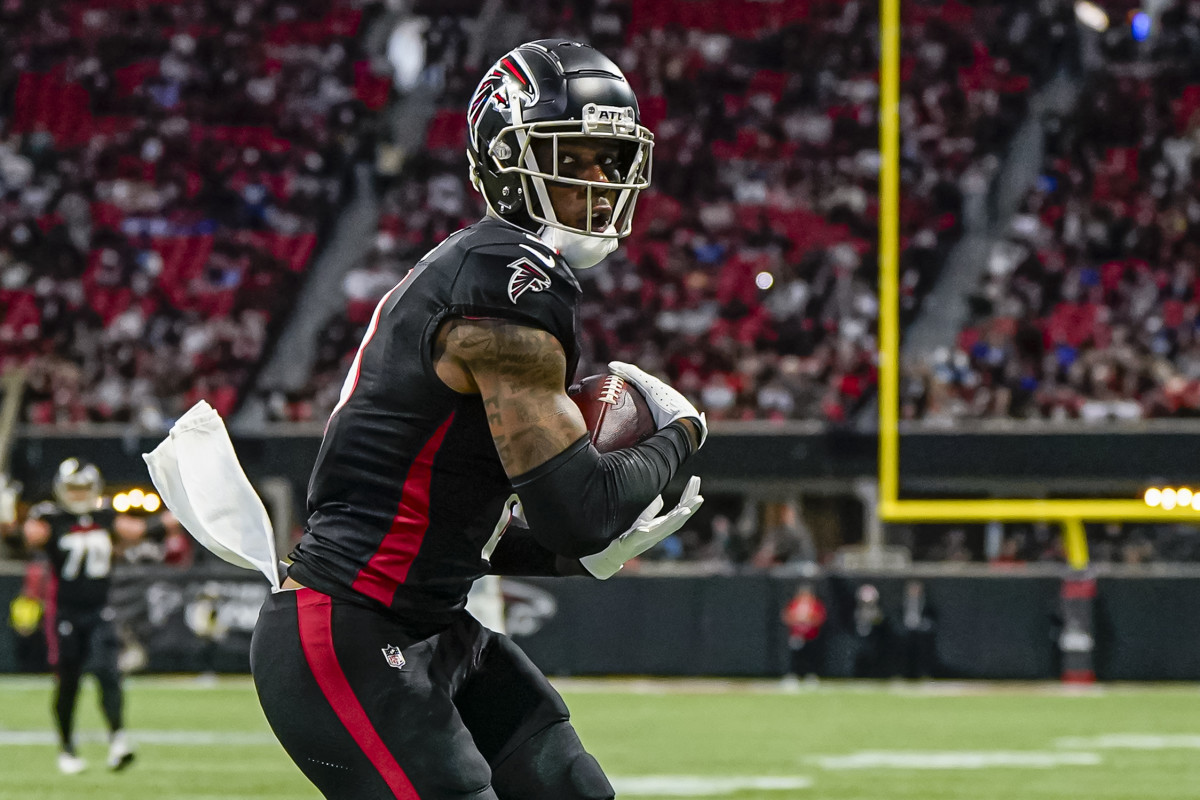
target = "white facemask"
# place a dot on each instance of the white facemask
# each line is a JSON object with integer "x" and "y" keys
{"x": 580, "y": 250}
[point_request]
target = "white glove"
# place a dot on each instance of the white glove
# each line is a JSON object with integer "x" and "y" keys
{"x": 646, "y": 531}
{"x": 666, "y": 403}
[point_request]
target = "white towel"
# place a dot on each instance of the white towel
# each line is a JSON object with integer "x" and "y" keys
{"x": 196, "y": 471}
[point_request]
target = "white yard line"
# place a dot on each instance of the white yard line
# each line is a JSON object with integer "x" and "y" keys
{"x": 704, "y": 785}
{"x": 180, "y": 738}
{"x": 1131, "y": 741}
{"x": 656, "y": 686}
{"x": 955, "y": 759}
{"x": 44, "y": 683}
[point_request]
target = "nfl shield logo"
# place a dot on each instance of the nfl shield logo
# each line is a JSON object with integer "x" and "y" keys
{"x": 393, "y": 655}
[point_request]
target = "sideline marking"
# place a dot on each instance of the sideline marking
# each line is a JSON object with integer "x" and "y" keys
{"x": 1132, "y": 741}
{"x": 953, "y": 759}
{"x": 701, "y": 686}
{"x": 704, "y": 785}
{"x": 839, "y": 686}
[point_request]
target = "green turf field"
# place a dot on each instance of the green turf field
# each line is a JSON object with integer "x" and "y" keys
{"x": 746, "y": 741}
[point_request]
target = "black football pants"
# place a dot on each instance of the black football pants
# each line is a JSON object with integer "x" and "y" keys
{"x": 85, "y": 641}
{"x": 369, "y": 711}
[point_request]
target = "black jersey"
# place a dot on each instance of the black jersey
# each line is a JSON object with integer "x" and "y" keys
{"x": 81, "y": 551}
{"x": 408, "y": 487}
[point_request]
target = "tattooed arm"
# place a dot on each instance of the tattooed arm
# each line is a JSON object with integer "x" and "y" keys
{"x": 520, "y": 372}
{"x": 576, "y": 500}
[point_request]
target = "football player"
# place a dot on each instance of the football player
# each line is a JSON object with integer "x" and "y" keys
{"x": 78, "y": 533}
{"x": 454, "y": 417}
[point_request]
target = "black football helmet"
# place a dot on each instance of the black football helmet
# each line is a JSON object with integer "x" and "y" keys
{"x": 548, "y": 91}
{"x": 78, "y": 487}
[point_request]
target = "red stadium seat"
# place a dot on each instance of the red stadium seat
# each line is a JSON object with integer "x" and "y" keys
{"x": 769, "y": 82}
{"x": 447, "y": 130}
{"x": 371, "y": 89}
{"x": 1186, "y": 107}
{"x": 653, "y": 110}
{"x": 129, "y": 78}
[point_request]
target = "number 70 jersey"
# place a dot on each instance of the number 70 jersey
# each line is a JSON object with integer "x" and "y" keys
{"x": 81, "y": 550}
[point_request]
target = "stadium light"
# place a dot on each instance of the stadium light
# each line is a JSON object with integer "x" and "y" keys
{"x": 1168, "y": 497}
{"x": 1091, "y": 16}
{"x": 136, "y": 498}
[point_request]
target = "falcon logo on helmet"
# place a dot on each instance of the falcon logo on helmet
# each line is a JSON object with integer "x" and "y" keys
{"x": 548, "y": 93}
{"x": 526, "y": 277}
{"x": 510, "y": 76}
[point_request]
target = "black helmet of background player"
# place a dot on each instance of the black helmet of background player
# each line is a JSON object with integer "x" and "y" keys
{"x": 537, "y": 97}
{"x": 78, "y": 487}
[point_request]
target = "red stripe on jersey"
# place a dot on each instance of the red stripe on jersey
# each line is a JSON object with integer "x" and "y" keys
{"x": 315, "y": 614}
{"x": 388, "y": 568}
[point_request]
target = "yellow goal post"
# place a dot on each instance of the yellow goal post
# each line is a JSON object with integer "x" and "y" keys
{"x": 1070, "y": 513}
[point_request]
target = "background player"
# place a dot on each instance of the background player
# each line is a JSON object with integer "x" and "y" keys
{"x": 79, "y": 535}
{"x": 373, "y": 677}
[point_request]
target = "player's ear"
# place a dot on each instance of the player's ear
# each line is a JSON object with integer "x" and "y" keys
{"x": 473, "y": 172}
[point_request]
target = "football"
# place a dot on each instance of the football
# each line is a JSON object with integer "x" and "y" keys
{"x": 614, "y": 410}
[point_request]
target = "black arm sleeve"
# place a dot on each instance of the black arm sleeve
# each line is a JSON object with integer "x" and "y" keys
{"x": 580, "y": 500}
{"x": 520, "y": 555}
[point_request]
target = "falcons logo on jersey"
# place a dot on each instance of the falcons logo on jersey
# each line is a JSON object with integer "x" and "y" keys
{"x": 526, "y": 277}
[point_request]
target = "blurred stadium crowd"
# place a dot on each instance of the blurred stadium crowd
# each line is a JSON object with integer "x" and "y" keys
{"x": 166, "y": 178}
{"x": 166, "y": 169}
{"x": 1089, "y": 307}
{"x": 170, "y": 168}
{"x": 749, "y": 277}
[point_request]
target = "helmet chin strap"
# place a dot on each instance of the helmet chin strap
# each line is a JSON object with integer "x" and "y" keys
{"x": 580, "y": 250}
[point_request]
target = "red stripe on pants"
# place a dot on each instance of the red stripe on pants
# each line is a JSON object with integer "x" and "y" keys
{"x": 315, "y": 611}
